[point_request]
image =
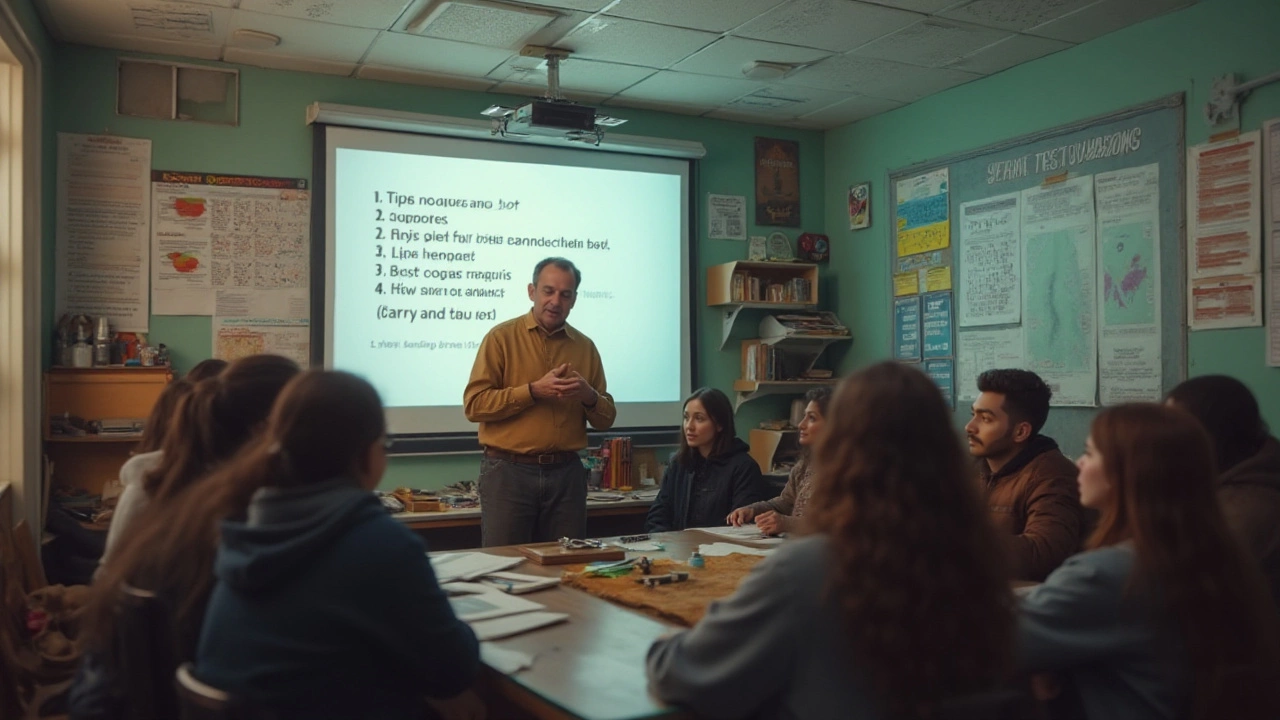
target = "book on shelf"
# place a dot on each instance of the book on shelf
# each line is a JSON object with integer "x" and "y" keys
{"x": 765, "y": 362}
{"x": 745, "y": 287}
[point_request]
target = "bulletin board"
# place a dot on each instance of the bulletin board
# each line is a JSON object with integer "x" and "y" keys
{"x": 1061, "y": 252}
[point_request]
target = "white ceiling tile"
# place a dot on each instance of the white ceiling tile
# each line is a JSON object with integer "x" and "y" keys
{"x": 584, "y": 5}
{"x": 409, "y": 77}
{"x": 576, "y": 75}
{"x": 727, "y": 56}
{"x": 304, "y": 38}
{"x": 851, "y": 110}
{"x": 133, "y": 43}
{"x": 920, "y": 6}
{"x": 712, "y": 15}
{"x": 778, "y": 101}
{"x": 184, "y": 22}
{"x": 276, "y": 61}
{"x": 880, "y": 78}
{"x": 1103, "y": 17}
{"x": 659, "y": 106}
{"x": 480, "y": 22}
{"x": 377, "y": 14}
{"x": 517, "y": 88}
{"x": 836, "y": 25}
{"x": 1014, "y": 15}
{"x": 551, "y": 35}
{"x": 433, "y": 55}
{"x": 933, "y": 42}
{"x": 634, "y": 42}
{"x": 688, "y": 89}
{"x": 1005, "y": 54}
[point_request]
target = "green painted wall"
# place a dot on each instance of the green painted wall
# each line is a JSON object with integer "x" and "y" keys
{"x": 1180, "y": 52}
{"x": 272, "y": 139}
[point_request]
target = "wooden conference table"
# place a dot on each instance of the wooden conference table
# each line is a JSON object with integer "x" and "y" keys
{"x": 459, "y": 529}
{"x": 591, "y": 667}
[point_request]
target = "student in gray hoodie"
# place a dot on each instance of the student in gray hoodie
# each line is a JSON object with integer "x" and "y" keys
{"x": 1164, "y": 617}
{"x": 326, "y": 606}
{"x": 1248, "y": 459}
{"x": 898, "y": 603}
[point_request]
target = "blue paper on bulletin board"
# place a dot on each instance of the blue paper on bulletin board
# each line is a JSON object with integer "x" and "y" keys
{"x": 943, "y": 373}
{"x": 906, "y": 328}
{"x": 937, "y": 325}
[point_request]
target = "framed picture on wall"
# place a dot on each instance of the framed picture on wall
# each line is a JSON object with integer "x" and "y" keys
{"x": 777, "y": 182}
{"x": 859, "y": 205}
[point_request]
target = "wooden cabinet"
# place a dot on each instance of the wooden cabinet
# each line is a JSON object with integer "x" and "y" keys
{"x": 88, "y": 461}
{"x": 794, "y": 287}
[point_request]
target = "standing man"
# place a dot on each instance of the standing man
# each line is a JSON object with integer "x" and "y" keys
{"x": 535, "y": 385}
{"x": 1030, "y": 486}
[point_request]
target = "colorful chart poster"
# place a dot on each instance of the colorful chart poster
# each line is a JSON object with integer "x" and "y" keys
{"x": 937, "y": 325}
{"x": 923, "y": 213}
{"x": 906, "y": 328}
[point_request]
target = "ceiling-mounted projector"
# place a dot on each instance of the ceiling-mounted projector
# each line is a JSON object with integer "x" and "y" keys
{"x": 551, "y": 116}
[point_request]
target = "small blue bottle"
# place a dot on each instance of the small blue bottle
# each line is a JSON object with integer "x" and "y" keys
{"x": 696, "y": 561}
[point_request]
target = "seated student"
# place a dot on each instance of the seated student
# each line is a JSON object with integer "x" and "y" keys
{"x": 783, "y": 513}
{"x": 325, "y": 605}
{"x": 1030, "y": 486}
{"x": 147, "y": 456}
{"x": 1164, "y": 616}
{"x": 1248, "y": 461}
{"x": 711, "y": 474}
{"x": 169, "y": 549}
{"x": 898, "y": 602}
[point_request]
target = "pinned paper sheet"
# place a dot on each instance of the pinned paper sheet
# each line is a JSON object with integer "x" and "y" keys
{"x": 720, "y": 549}
{"x": 938, "y": 278}
{"x": 907, "y": 283}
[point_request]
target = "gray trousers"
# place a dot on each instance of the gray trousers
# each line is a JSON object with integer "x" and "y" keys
{"x": 521, "y": 503}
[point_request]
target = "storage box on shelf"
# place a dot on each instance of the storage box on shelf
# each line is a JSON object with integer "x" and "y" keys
{"x": 88, "y": 461}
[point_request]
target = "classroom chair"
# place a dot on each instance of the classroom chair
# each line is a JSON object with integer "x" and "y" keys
{"x": 198, "y": 701}
{"x": 145, "y": 654}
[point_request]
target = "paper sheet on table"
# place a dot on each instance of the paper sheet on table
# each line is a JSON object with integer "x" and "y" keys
{"x": 746, "y": 533}
{"x": 503, "y": 660}
{"x": 642, "y": 546}
{"x": 515, "y": 624}
{"x": 490, "y": 604}
{"x": 469, "y": 565}
{"x": 720, "y": 549}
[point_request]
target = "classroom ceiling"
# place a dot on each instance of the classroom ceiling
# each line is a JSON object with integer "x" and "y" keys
{"x": 839, "y": 60}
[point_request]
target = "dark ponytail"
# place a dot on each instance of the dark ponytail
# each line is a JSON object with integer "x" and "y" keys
{"x": 216, "y": 420}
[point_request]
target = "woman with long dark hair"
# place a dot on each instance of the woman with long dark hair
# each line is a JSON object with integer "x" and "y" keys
{"x": 711, "y": 474}
{"x": 1248, "y": 460}
{"x": 784, "y": 513}
{"x": 898, "y": 602}
{"x": 1163, "y": 616}
{"x": 325, "y": 605}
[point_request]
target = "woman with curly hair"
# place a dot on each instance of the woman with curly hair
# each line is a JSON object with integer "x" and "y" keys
{"x": 1164, "y": 616}
{"x": 897, "y": 603}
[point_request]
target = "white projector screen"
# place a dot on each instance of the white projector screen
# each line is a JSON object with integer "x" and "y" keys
{"x": 430, "y": 241}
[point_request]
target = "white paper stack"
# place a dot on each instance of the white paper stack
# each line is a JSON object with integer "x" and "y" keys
{"x": 470, "y": 565}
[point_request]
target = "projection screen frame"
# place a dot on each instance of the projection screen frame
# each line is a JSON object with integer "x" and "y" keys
{"x": 322, "y": 115}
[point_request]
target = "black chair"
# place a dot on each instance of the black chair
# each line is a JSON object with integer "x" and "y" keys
{"x": 198, "y": 701}
{"x": 1002, "y": 704}
{"x": 145, "y": 654}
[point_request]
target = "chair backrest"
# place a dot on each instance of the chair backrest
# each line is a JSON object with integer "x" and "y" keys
{"x": 145, "y": 654}
{"x": 1002, "y": 704}
{"x": 198, "y": 701}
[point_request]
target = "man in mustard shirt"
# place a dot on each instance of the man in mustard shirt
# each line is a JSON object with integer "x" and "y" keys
{"x": 535, "y": 385}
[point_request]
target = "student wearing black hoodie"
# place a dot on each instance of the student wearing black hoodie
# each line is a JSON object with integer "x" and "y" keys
{"x": 325, "y": 606}
{"x": 711, "y": 474}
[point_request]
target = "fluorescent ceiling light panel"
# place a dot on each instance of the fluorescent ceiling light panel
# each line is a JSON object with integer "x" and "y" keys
{"x": 481, "y": 22}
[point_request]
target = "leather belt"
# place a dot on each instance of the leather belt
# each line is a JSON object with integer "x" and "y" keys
{"x": 544, "y": 459}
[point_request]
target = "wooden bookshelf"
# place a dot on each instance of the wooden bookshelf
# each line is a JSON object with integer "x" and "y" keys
{"x": 720, "y": 289}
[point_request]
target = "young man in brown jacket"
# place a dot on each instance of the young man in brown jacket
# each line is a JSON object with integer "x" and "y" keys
{"x": 1030, "y": 486}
